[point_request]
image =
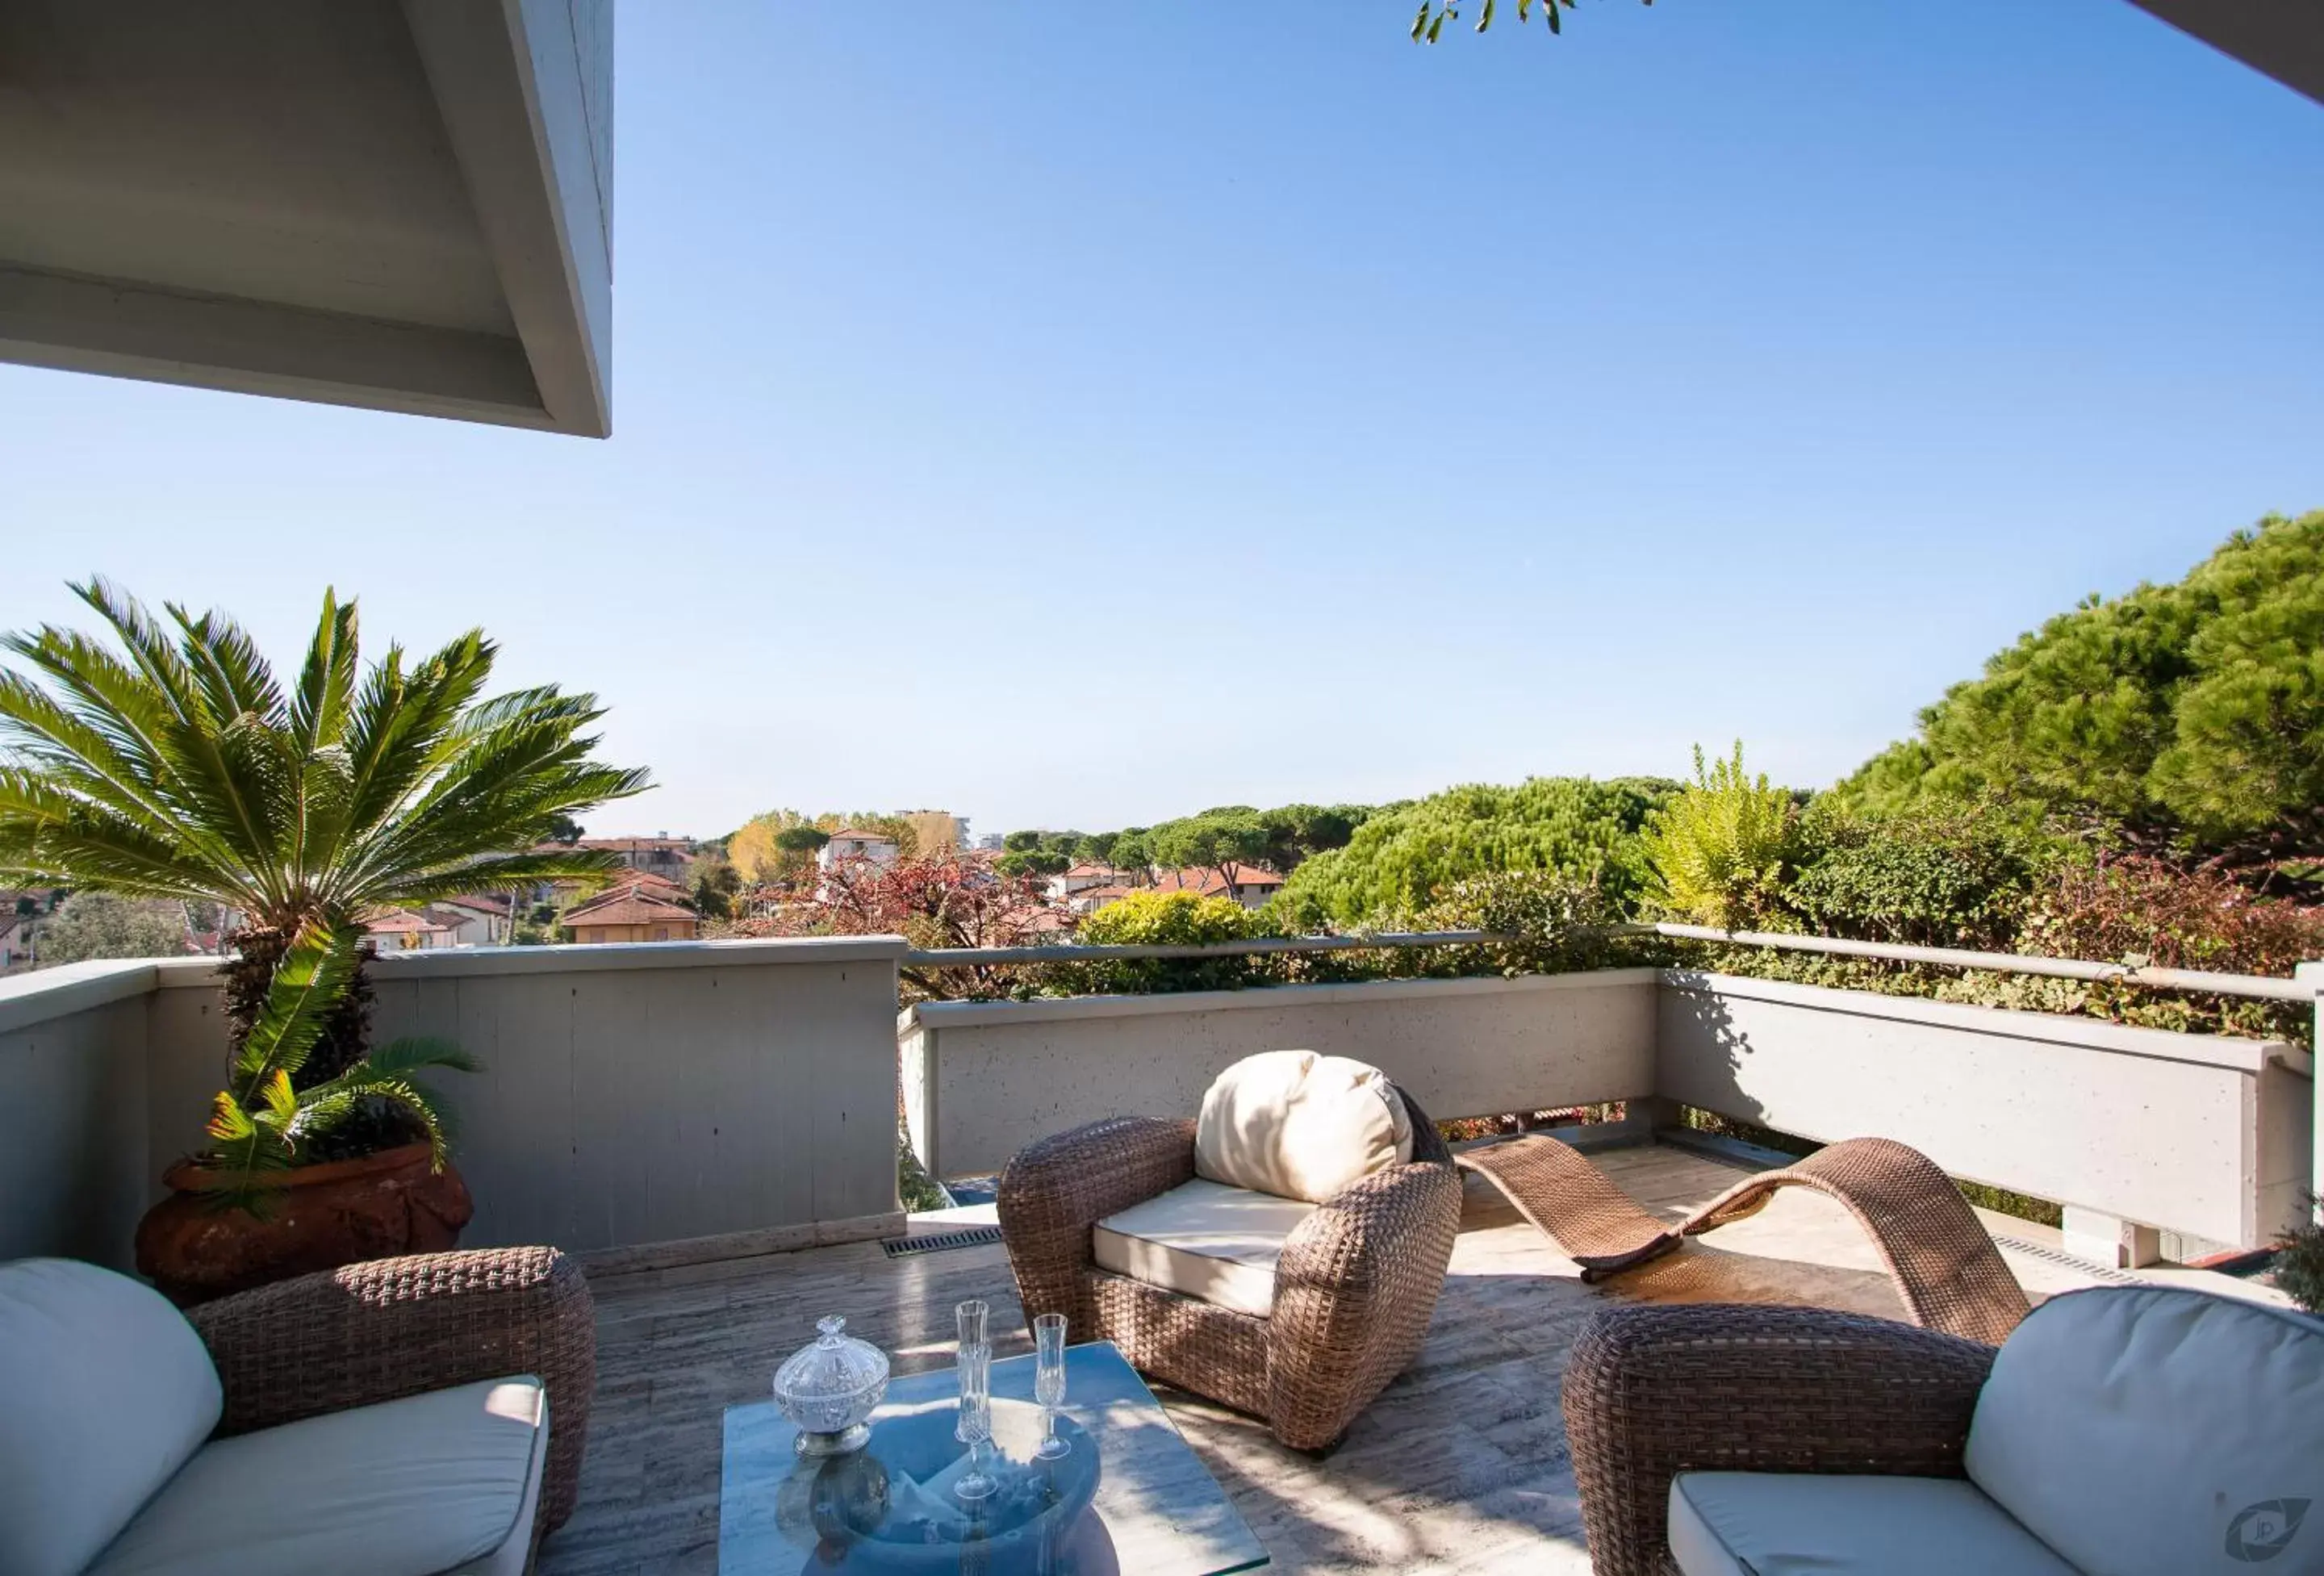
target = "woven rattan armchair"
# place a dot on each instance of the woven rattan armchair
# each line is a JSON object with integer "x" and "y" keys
{"x": 397, "y": 1327}
{"x": 1654, "y": 1391}
{"x": 1355, "y": 1286}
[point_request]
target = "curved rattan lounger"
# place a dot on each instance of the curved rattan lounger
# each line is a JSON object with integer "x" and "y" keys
{"x": 1946, "y": 1267}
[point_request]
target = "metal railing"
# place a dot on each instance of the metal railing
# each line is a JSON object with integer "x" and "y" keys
{"x": 2260, "y": 987}
{"x": 2264, "y": 987}
{"x": 958, "y": 957}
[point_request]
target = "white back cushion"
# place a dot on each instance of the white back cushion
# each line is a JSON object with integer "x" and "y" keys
{"x": 2145, "y": 1429}
{"x": 105, "y": 1391}
{"x": 1300, "y": 1126}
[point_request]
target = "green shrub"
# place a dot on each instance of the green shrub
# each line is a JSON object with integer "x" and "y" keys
{"x": 914, "y": 1186}
{"x": 1558, "y": 925}
{"x": 1718, "y": 852}
{"x": 2113, "y": 910}
{"x": 2150, "y": 911}
{"x": 1399, "y": 860}
{"x": 99, "y": 924}
{"x": 1169, "y": 919}
{"x": 1936, "y": 877}
{"x": 2299, "y": 1269}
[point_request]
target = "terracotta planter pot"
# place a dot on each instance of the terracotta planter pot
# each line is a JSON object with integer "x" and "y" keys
{"x": 323, "y": 1216}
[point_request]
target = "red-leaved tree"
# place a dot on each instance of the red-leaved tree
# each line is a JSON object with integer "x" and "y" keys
{"x": 957, "y": 900}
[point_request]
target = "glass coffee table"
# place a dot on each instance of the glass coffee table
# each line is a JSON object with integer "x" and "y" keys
{"x": 1129, "y": 1498}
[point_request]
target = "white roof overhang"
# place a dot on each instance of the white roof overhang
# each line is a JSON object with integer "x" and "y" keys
{"x": 400, "y": 204}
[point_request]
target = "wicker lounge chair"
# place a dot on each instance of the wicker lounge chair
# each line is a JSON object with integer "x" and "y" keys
{"x": 396, "y": 1327}
{"x": 416, "y": 1415}
{"x": 1354, "y": 1283}
{"x": 2130, "y": 1429}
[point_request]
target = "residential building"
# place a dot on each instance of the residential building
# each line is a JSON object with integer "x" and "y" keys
{"x": 858, "y": 842}
{"x": 477, "y": 919}
{"x": 1090, "y": 899}
{"x": 17, "y": 939}
{"x": 1085, "y": 888}
{"x": 1046, "y": 926}
{"x": 1250, "y": 885}
{"x": 668, "y": 857}
{"x": 401, "y": 930}
{"x": 1083, "y": 877}
{"x": 565, "y": 893}
{"x": 631, "y": 913}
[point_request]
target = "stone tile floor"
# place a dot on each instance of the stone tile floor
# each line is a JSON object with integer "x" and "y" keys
{"x": 1460, "y": 1466}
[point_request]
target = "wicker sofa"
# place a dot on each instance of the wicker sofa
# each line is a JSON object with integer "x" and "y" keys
{"x": 386, "y": 1415}
{"x": 2142, "y": 1430}
{"x": 1353, "y": 1282}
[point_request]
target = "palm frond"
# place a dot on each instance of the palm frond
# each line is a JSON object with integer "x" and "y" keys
{"x": 329, "y": 1105}
{"x": 327, "y": 684}
{"x": 109, "y": 736}
{"x": 411, "y": 1053}
{"x": 206, "y": 785}
{"x": 400, "y": 720}
{"x": 235, "y": 678}
{"x": 181, "y": 769}
{"x": 510, "y": 873}
{"x": 307, "y": 982}
{"x": 501, "y": 799}
{"x": 49, "y": 836}
{"x": 107, "y": 692}
{"x": 108, "y": 761}
{"x": 148, "y": 647}
{"x": 246, "y": 1147}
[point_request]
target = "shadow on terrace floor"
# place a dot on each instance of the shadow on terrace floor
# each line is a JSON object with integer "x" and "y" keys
{"x": 1459, "y": 1467}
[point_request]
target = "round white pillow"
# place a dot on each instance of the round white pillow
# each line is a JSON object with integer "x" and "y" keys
{"x": 1297, "y": 1125}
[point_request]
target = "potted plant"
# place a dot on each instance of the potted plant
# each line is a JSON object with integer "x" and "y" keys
{"x": 179, "y": 767}
{"x": 255, "y": 1206}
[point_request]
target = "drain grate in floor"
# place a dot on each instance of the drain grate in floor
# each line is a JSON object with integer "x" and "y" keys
{"x": 942, "y": 1241}
{"x": 2065, "y": 1261}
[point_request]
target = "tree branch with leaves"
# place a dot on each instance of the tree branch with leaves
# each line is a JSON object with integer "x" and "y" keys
{"x": 1428, "y": 22}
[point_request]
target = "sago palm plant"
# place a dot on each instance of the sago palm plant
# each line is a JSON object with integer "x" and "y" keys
{"x": 1716, "y": 853}
{"x": 176, "y": 766}
{"x": 262, "y": 1123}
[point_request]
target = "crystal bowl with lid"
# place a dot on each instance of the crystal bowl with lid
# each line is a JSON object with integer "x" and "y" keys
{"x": 828, "y": 1388}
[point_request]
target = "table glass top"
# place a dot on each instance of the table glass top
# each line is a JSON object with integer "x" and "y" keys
{"x": 1157, "y": 1511}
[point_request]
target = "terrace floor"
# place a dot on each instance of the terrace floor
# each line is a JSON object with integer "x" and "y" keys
{"x": 1460, "y": 1466}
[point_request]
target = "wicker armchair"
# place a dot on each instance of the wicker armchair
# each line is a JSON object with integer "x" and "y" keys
{"x": 396, "y": 1327}
{"x": 1654, "y": 1391}
{"x": 1355, "y": 1286}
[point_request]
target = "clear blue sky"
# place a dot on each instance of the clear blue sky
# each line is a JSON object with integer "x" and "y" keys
{"x": 1078, "y": 415}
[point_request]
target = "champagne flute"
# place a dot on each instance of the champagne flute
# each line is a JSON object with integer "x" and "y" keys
{"x": 1049, "y": 1382}
{"x": 974, "y": 1428}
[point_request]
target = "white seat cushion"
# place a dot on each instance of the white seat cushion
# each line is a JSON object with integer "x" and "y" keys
{"x": 2142, "y": 1430}
{"x": 105, "y": 1392}
{"x": 1789, "y": 1523}
{"x": 1297, "y": 1125}
{"x": 442, "y": 1482}
{"x": 1205, "y": 1241}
